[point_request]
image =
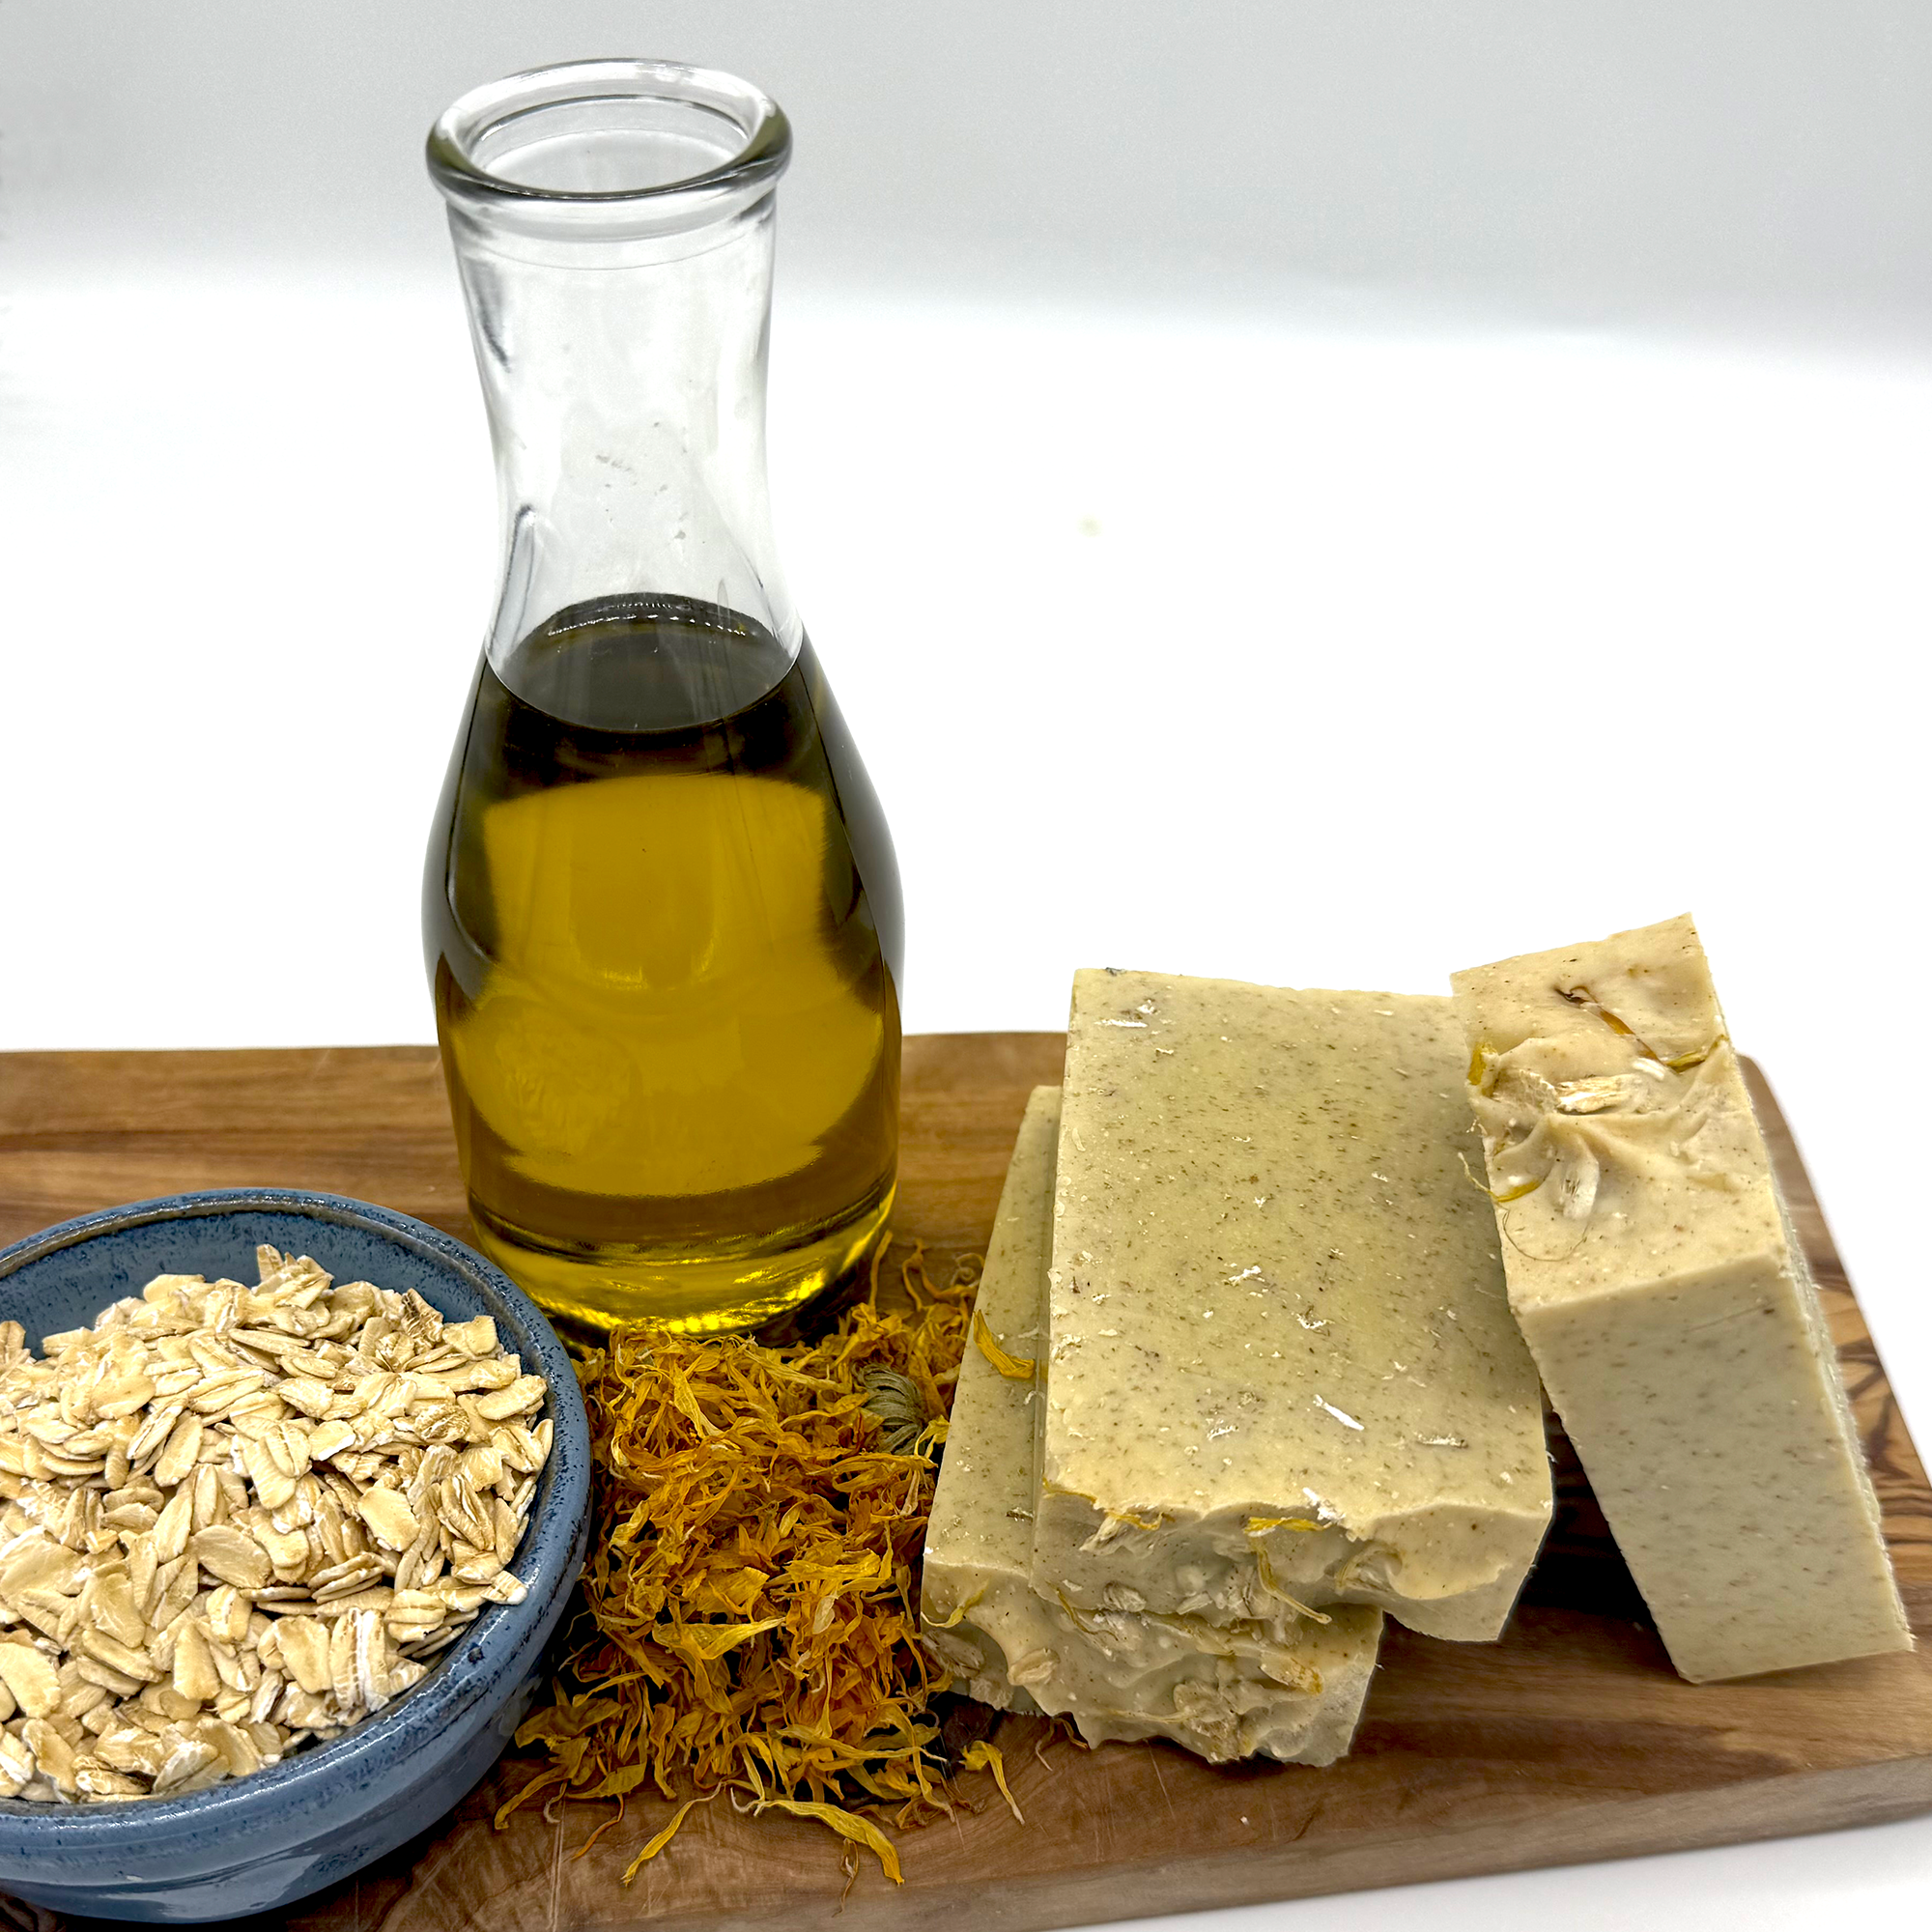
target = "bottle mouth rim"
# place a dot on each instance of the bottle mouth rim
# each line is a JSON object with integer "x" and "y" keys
{"x": 457, "y": 145}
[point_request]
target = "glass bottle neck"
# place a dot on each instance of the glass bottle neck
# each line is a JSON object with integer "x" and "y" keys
{"x": 624, "y": 378}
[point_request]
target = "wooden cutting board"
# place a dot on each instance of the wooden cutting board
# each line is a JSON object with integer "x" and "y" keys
{"x": 1571, "y": 1739}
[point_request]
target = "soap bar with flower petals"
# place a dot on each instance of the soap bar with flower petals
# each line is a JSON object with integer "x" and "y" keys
{"x": 1282, "y": 1369}
{"x": 1289, "y": 1689}
{"x": 1653, "y": 1268}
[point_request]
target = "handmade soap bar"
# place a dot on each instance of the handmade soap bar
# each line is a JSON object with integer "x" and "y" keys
{"x": 1291, "y": 1688}
{"x": 1282, "y": 1366}
{"x": 1651, "y": 1266}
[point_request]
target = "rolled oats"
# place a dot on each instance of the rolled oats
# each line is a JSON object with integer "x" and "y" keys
{"x": 233, "y": 1520}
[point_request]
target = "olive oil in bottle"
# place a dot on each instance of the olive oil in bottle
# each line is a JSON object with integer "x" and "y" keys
{"x": 661, "y": 912}
{"x": 664, "y": 930}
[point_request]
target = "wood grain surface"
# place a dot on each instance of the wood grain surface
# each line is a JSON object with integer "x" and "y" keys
{"x": 1571, "y": 1739}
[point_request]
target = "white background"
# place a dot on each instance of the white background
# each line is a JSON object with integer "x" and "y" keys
{"x": 1307, "y": 493}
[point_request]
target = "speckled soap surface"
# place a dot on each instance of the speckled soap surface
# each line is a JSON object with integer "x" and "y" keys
{"x": 256, "y": 1843}
{"x": 1654, "y": 1271}
{"x": 1291, "y": 1688}
{"x": 1282, "y": 1362}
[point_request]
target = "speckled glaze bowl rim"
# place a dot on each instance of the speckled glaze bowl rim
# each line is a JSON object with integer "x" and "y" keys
{"x": 469, "y": 1673}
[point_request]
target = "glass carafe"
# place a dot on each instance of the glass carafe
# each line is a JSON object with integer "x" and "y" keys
{"x": 662, "y": 916}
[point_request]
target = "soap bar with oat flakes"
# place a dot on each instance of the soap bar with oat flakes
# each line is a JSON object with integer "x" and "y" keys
{"x": 1289, "y": 1689}
{"x": 1653, "y": 1268}
{"x": 1282, "y": 1368}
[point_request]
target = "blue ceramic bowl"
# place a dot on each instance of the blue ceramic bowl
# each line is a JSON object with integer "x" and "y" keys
{"x": 256, "y": 1843}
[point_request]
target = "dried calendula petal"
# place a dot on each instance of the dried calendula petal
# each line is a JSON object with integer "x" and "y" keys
{"x": 184, "y": 1596}
{"x": 1015, "y": 1368}
{"x": 982, "y": 1756}
{"x": 755, "y": 1544}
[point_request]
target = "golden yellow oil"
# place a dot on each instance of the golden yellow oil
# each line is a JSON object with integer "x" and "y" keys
{"x": 663, "y": 924}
